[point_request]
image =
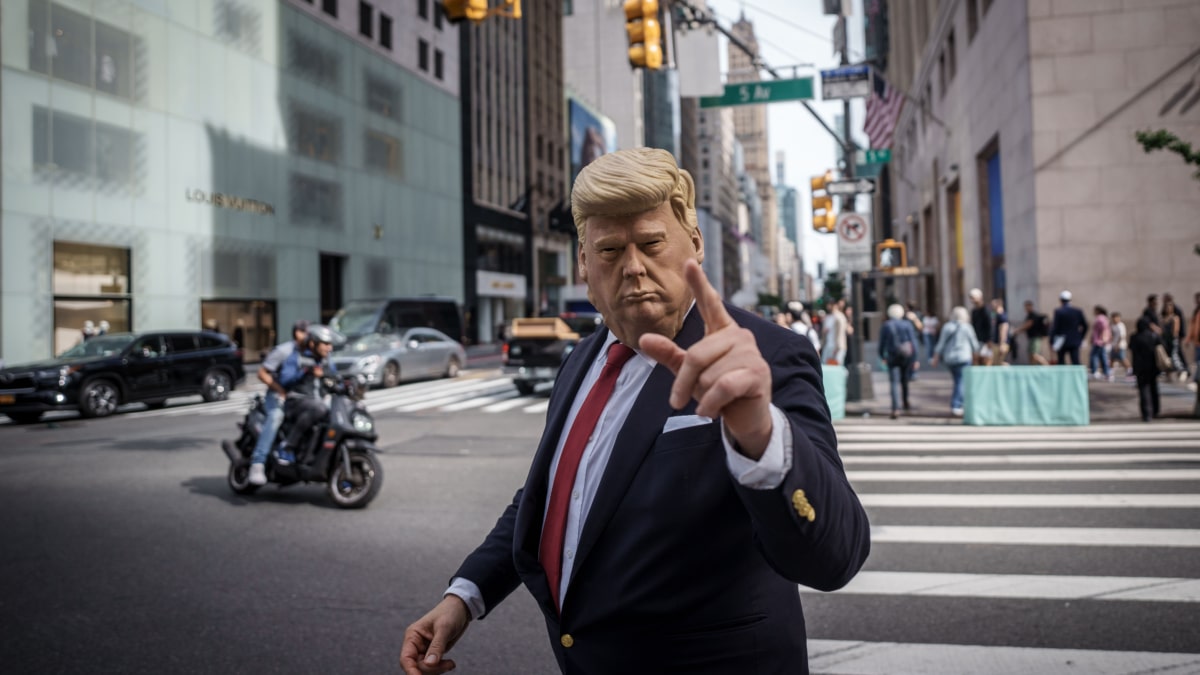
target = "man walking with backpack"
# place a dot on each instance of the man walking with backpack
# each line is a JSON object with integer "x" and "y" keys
{"x": 898, "y": 348}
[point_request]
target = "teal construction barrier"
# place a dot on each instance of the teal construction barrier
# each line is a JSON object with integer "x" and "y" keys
{"x": 1026, "y": 396}
{"x": 835, "y": 389}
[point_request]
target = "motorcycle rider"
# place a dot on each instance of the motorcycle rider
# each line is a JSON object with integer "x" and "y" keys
{"x": 268, "y": 373}
{"x": 302, "y": 375}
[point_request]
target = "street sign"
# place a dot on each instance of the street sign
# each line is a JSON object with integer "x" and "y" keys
{"x": 846, "y": 82}
{"x": 868, "y": 170}
{"x": 851, "y": 187}
{"x": 767, "y": 91}
{"x": 854, "y": 242}
{"x": 877, "y": 156}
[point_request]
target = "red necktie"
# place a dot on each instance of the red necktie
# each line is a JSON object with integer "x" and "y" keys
{"x": 568, "y": 464}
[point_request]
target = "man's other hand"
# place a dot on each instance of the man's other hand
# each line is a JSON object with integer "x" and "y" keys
{"x": 428, "y": 639}
{"x": 724, "y": 371}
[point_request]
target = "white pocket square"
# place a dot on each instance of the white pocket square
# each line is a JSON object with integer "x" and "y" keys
{"x": 685, "y": 421}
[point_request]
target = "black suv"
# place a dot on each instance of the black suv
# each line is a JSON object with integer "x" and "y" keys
{"x": 106, "y": 371}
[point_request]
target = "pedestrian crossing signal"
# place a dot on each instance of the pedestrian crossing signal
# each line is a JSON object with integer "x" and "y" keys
{"x": 890, "y": 254}
{"x": 823, "y": 217}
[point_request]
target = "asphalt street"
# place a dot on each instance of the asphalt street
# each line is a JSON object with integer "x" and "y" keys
{"x": 994, "y": 550}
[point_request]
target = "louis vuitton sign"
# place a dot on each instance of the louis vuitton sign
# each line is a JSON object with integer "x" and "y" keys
{"x": 230, "y": 202}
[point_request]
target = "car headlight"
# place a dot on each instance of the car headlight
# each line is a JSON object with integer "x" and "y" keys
{"x": 369, "y": 363}
{"x": 362, "y": 422}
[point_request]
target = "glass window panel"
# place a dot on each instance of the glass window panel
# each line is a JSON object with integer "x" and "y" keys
{"x": 315, "y": 200}
{"x": 178, "y": 344}
{"x": 39, "y": 38}
{"x": 423, "y": 55}
{"x": 383, "y": 97}
{"x": 316, "y": 135}
{"x": 382, "y": 152}
{"x": 71, "y": 143}
{"x": 114, "y": 153}
{"x": 84, "y": 269}
{"x": 314, "y": 62}
{"x": 385, "y": 31}
{"x": 70, "y": 45}
{"x": 71, "y": 315}
{"x": 366, "y": 18}
{"x": 41, "y": 136}
{"x": 114, "y": 61}
{"x": 330, "y": 7}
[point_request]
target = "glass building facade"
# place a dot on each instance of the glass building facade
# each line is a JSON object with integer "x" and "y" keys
{"x": 230, "y": 164}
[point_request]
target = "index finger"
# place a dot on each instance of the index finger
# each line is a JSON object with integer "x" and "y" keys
{"x": 708, "y": 300}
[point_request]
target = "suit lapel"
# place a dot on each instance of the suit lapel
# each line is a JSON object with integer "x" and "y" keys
{"x": 643, "y": 426}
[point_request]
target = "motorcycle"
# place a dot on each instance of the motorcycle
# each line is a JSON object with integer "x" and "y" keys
{"x": 339, "y": 450}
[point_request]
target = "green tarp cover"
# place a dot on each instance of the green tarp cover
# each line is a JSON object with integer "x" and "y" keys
{"x": 1026, "y": 396}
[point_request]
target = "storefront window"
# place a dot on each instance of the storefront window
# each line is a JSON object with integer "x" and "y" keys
{"x": 91, "y": 292}
{"x": 70, "y": 46}
{"x": 250, "y": 323}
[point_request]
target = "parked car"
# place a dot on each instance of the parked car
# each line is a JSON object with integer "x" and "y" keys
{"x": 98, "y": 375}
{"x": 539, "y": 345}
{"x": 386, "y": 359}
{"x": 387, "y": 316}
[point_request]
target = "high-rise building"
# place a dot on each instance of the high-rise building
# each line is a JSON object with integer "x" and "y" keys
{"x": 514, "y": 165}
{"x": 1016, "y": 168}
{"x": 596, "y": 67}
{"x": 222, "y": 164}
{"x": 750, "y": 122}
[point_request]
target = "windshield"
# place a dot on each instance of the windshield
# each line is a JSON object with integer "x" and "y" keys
{"x": 356, "y": 319}
{"x": 104, "y": 345}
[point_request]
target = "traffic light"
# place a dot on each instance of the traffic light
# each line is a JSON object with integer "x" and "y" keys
{"x": 890, "y": 254}
{"x": 823, "y": 217}
{"x": 645, "y": 34}
{"x": 457, "y": 10}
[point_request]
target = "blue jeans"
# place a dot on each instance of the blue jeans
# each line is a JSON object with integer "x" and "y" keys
{"x": 930, "y": 343}
{"x": 900, "y": 375}
{"x": 270, "y": 427}
{"x": 956, "y": 395}
{"x": 1098, "y": 353}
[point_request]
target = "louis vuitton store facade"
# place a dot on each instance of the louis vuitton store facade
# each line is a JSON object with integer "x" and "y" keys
{"x": 227, "y": 165}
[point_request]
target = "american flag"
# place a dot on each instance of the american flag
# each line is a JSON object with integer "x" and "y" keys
{"x": 883, "y": 108}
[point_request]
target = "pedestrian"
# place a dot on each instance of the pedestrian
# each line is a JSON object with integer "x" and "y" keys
{"x": 1120, "y": 344}
{"x": 1145, "y": 367}
{"x": 1172, "y": 336}
{"x": 981, "y": 322}
{"x": 1067, "y": 330}
{"x": 89, "y": 330}
{"x": 803, "y": 326}
{"x": 1150, "y": 313}
{"x": 998, "y": 341}
{"x": 930, "y": 331}
{"x": 102, "y": 329}
{"x": 676, "y": 542}
{"x": 914, "y": 317}
{"x": 1193, "y": 338}
{"x": 898, "y": 349}
{"x": 1101, "y": 339}
{"x": 1036, "y": 328}
{"x": 837, "y": 330}
{"x": 957, "y": 345}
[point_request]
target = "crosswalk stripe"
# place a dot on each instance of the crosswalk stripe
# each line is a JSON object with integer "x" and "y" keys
{"x": 1032, "y": 475}
{"x": 479, "y": 402}
{"x": 1042, "y": 501}
{"x": 507, "y": 405}
{"x": 537, "y": 407}
{"x": 1028, "y": 586}
{"x": 1123, "y": 458}
{"x": 845, "y": 657}
{"x": 449, "y": 398}
{"x": 1037, "y": 536}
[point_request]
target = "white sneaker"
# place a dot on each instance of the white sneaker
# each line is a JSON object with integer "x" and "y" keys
{"x": 257, "y": 475}
{"x": 957, "y": 412}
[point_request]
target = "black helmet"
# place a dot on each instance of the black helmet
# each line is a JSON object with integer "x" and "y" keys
{"x": 321, "y": 333}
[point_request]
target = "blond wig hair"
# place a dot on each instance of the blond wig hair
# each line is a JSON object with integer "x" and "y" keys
{"x": 627, "y": 182}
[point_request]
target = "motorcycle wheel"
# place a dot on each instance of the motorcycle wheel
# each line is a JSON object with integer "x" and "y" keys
{"x": 356, "y": 490}
{"x": 239, "y": 478}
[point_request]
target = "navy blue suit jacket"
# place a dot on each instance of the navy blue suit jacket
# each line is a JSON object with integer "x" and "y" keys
{"x": 679, "y": 568}
{"x": 1069, "y": 322}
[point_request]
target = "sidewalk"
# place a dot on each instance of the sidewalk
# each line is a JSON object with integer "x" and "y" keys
{"x": 930, "y": 398}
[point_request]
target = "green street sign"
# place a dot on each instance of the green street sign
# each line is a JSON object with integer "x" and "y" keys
{"x": 878, "y": 156}
{"x": 767, "y": 91}
{"x": 868, "y": 170}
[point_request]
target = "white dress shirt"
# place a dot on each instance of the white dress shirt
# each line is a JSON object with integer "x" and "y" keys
{"x": 765, "y": 474}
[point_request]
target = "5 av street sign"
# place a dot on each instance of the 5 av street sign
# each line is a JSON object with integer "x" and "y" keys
{"x": 851, "y": 187}
{"x": 767, "y": 91}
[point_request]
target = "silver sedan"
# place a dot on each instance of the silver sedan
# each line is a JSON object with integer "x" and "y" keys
{"x": 408, "y": 354}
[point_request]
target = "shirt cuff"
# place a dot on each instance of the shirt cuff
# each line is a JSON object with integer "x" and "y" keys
{"x": 469, "y": 593}
{"x": 770, "y": 470}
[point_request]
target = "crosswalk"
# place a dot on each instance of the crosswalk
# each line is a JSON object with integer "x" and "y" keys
{"x": 485, "y": 391}
{"x": 980, "y": 533}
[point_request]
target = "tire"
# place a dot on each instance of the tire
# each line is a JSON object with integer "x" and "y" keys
{"x": 524, "y": 388}
{"x": 391, "y": 375}
{"x": 239, "y": 478}
{"x": 99, "y": 398}
{"x": 452, "y": 367}
{"x": 24, "y": 417}
{"x": 359, "y": 489}
{"x": 217, "y": 385}
{"x": 156, "y": 404}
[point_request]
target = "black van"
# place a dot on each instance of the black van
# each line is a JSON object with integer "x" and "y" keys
{"x": 362, "y": 317}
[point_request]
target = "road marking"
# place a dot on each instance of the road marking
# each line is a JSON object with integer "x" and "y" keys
{"x": 479, "y": 402}
{"x": 845, "y": 657}
{"x": 508, "y": 405}
{"x": 445, "y": 398}
{"x": 1016, "y": 475}
{"x": 1043, "y": 501}
{"x": 1037, "y": 536}
{"x": 1028, "y": 586}
{"x": 1124, "y": 458}
{"x": 537, "y": 407}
